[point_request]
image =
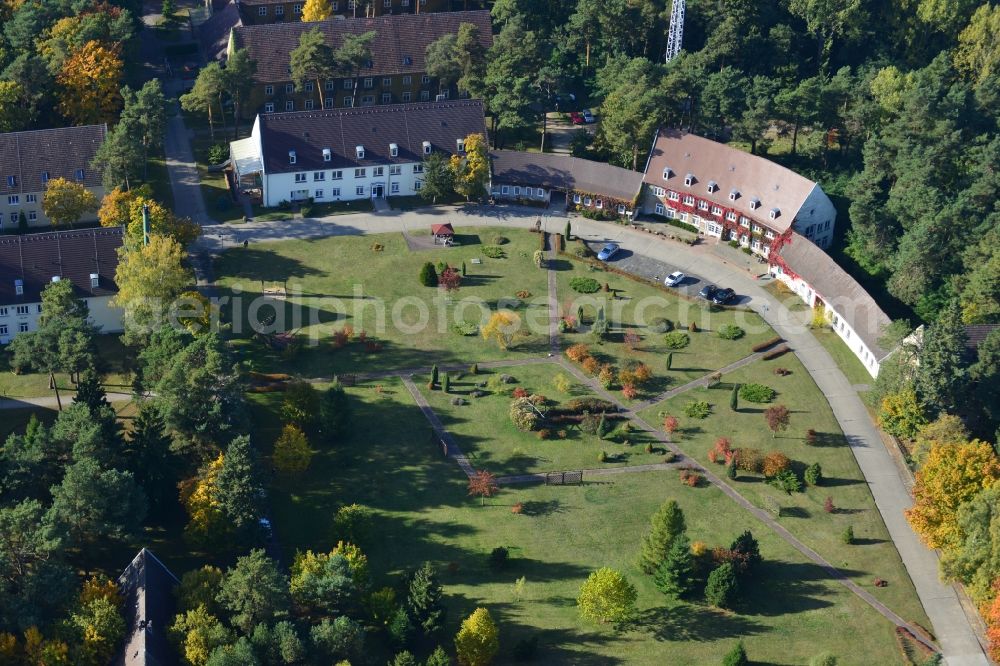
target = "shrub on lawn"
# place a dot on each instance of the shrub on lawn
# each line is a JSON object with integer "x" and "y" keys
{"x": 775, "y": 462}
{"x": 737, "y": 656}
{"x": 521, "y": 392}
{"x": 602, "y": 457}
{"x": 428, "y": 276}
{"x": 761, "y": 346}
{"x": 699, "y": 409}
{"x": 584, "y": 285}
{"x": 810, "y": 436}
{"x": 499, "y": 557}
{"x": 577, "y": 353}
{"x": 629, "y": 392}
{"x": 731, "y": 332}
{"x": 814, "y": 474}
{"x": 691, "y": 478}
{"x": 544, "y": 433}
{"x": 494, "y": 252}
{"x": 676, "y": 340}
{"x": 446, "y": 383}
{"x": 786, "y": 480}
{"x": 592, "y": 405}
{"x": 823, "y": 659}
{"x": 847, "y": 536}
{"x": 661, "y": 325}
{"x": 466, "y": 328}
{"x": 524, "y": 415}
{"x": 591, "y": 365}
{"x": 607, "y": 376}
{"x": 693, "y": 327}
{"x": 782, "y": 372}
{"x": 749, "y": 460}
{"x": 517, "y": 509}
{"x": 734, "y": 398}
{"x": 828, "y": 505}
{"x": 758, "y": 393}
{"x": 474, "y": 369}
{"x": 500, "y": 240}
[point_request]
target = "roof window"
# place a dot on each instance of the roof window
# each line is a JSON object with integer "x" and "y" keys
{"x": 360, "y": 152}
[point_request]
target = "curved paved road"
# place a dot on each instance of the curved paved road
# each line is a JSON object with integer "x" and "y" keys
{"x": 941, "y": 602}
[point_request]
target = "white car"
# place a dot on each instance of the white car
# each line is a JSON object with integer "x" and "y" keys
{"x": 674, "y": 279}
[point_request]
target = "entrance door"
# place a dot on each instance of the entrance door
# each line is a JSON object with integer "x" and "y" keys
{"x": 378, "y": 191}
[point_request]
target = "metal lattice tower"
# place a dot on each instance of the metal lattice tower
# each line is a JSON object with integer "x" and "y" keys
{"x": 676, "y": 34}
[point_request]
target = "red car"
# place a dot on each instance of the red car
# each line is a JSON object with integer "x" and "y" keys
{"x": 575, "y": 118}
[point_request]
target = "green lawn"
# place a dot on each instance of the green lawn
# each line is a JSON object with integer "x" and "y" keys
{"x": 631, "y": 306}
{"x": 423, "y": 512}
{"x": 849, "y": 364}
{"x": 34, "y": 385}
{"x": 370, "y": 283}
{"x": 482, "y": 428}
{"x": 803, "y": 513}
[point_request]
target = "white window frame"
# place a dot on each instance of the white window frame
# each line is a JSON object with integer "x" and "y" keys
{"x": 300, "y": 177}
{"x": 318, "y": 194}
{"x": 269, "y": 107}
{"x": 395, "y": 170}
{"x": 289, "y": 88}
{"x": 394, "y": 188}
{"x": 361, "y": 173}
{"x": 359, "y": 190}
{"x": 319, "y": 176}
{"x": 308, "y": 105}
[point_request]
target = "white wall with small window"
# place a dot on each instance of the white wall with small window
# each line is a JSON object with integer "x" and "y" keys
{"x": 23, "y": 317}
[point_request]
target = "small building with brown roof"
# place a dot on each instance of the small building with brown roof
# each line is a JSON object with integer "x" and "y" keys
{"x": 822, "y": 283}
{"x": 552, "y": 178}
{"x": 731, "y": 194}
{"x": 29, "y": 160}
{"x": 396, "y": 74}
{"x": 345, "y": 154}
{"x": 28, "y": 263}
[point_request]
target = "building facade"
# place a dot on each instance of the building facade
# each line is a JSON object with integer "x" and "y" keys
{"x": 28, "y": 263}
{"x": 29, "y": 160}
{"x": 395, "y": 75}
{"x": 564, "y": 181}
{"x": 349, "y": 154}
{"x": 731, "y": 194}
{"x": 260, "y": 12}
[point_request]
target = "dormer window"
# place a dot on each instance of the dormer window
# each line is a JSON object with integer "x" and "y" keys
{"x": 19, "y": 287}
{"x": 56, "y": 278}
{"x": 460, "y": 145}
{"x": 427, "y": 147}
{"x": 95, "y": 280}
{"x": 734, "y": 195}
{"x": 712, "y": 186}
{"x": 292, "y": 157}
{"x": 79, "y": 174}
{"x": 327, "y": 155}
{"x": 407, "y": 60}
{"x": 360, "y": 152}
{"x": 775, "y": 212}
{"x": 45, "y": 176}
{"x": 754, "y": 203}
{"x": 393, "y": 150}
{"x": 11, "y": 181}
{"x": 667, "y": 173}
{"x": 689, "y": 179}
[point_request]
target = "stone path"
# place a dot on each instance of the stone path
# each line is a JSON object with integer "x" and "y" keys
{"x": 551, "y": 240}
{"x": 453, "y": 451}
{"x": 49, "y": 401}
{"x": 516, "y": 479}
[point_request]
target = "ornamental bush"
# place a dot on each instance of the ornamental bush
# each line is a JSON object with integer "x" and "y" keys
{"x": 607, "y": 596}
{"x": 699, "y": 409}
{"x": 758, "y": 393}
{"x": 661, "y": 325}
{"x": 465, "y": 328}
{"x": 524, "y": 415}
{"x": 494, "y": 252}
{"x": 428, "y": 275}
{"x": 585, "y": 285}
{"x": 731, "y": 332}
{"x": 814, "y": 474}
{"x": 676, "y": 340}
{"x": 775, "y": 462}
{"x": 787, "y": 480}
{"x": 723, "y": 586}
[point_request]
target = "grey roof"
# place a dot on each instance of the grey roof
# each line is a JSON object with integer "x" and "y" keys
{"x": 148, "y": 587}
{"x": 975, "y": 334}
{"x": 59, "y": 152}
{"x": 72, "y": 255}
{"x": 398, "y": 48}
{"x": 838, "y": 290}
{"x": 213, "y": 34}
{"x": 565, "y": 172}
{"x": 308, "y": 133}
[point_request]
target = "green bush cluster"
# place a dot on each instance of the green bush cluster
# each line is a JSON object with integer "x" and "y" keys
{"x": 699, "y": 409}
{"x": 585, "y": 285}
{"x": 494, "y": 252}
{"x": 758, "y": 393}
{"x": 676, "y": 340}
{"x": 465, "y": 328}
{"x": 661, "y": 325}
{"x": 731, "y": 332}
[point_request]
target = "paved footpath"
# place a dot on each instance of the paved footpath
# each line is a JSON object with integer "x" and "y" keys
{"x": 941, "y": 602}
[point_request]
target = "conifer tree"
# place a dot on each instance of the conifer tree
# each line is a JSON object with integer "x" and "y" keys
{"x": 723, "y": 586}
{"x": 424, "y": 602}
{"x": 666, "y": 524}
{"x": 90, "y": 392}
{"x": 239, "y": 485}
{"x": 675, "y": 573}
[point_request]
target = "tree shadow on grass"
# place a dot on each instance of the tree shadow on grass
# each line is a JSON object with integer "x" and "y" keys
{"x": 261, "y": 265}
{"x": 783, "y": 588}
{"x": 829, "y": 439}
{"x": 834, "y": 482}
{"x": 690, "y": 622}
{"x": 795, "y": 512}
{"x": 542, "y": 508}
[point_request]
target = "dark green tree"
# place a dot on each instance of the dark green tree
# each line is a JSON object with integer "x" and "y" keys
{"x": 334, "y": 411}
{"x": 91, "y": 503}
{"x": 737, "y": 656}
{"x": 942, "y": 372}
{"x": 434, "y": 375}
{"x": 148, "y": 456}
{"x": 240, "y": 653}
{"x": 424, "y": 600}
{"x": 254, "y": 591}
{"x": 145, "y": 115}
{"x": 239, "y": 487}
{"x": 746, "y": 553}
{"x": 90, "y": 391}
{"x": 428, "y": 275}
{"x": 665, "y": 526}
{"x": 438, "y": 658}
{"x": 339, "y": 639}
{"x": 278, "y": 645}
{"x": 439, "y": 179}
{"x": 675, "y": 575}
{"x": 312, "y": 60}
{"x": 723, "y": 587}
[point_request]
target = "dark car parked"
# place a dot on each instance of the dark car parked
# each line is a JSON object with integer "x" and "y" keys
{"x": 723, "y": 296}
{"x": 708, "y": 291}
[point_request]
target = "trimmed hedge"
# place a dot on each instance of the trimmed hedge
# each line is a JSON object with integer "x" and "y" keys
{"x": 592, "y": 405}
{"x": 775, "y": 353}
{"x": 731, "y": 332}
{"x": 758, "y": 393}
{"x": 761, "y": 346}
{"x": 585, "y": 285}
{"x": 676, "y": 340}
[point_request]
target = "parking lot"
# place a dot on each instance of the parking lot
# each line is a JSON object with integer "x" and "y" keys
{"x": 644, "y": 266}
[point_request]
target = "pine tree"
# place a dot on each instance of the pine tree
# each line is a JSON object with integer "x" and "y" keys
{"x": 722, "y": 586}
{"x": 334, "y": 411}
{"x": 675, "y": 573}
{"x": 666, "y": 524}
{"x": 149, "y": 456}
{"x": 428, "y": 275}
{"x": 670, "y": 359}
{"x": 434, "y": 375}
{"x": 238, "y": 485}
{"x": 734, "y": 398}
{"x": 90, "y": 392}
{"x": 477, "y": 641}
{"x": 438, "y": 658}
{"x": 569, "y": 231}
{"x": 463, "y": 269}
{"x": 747, "y": 552}
{"x": 423, "y": 600}
{"x": 602, "y": 427}
{"x": 446, "y": 383}
{"x": 736, "y": 657}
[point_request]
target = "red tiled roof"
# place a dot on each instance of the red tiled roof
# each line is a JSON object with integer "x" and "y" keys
{"x": 71, "y": 255}
{"x": 442, "y": 229}
{"x": 398, "y": 47}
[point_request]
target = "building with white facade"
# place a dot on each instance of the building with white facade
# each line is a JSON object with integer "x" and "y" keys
{"x": 87, "y": 257}
{"x": 731, "y": 194}
{"x": 822, "y": 283}
{"x": 346, "y": 154}
{"x": 29, "y": 160}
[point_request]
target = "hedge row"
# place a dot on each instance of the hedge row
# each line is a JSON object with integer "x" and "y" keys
{"x": 775, "y": 353}
{"x": 761, "y": 346}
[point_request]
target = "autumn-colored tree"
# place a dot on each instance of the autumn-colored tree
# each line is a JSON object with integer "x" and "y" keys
{"x": 951, "y": 476}
{"x": 193, "y": 311}
{"x": 607, "y": 596}
{"x": 199, "y": 633}
{"x": 670, "y": 424}
{"x": 977, "y": 54}
{"x": 775, "y": 462}
{"x": 13, "y": 114}
{"x": 450, "y": 279}
{"x": 483, "y": 484}
{"x": 502, "y": 327}
{"x": 472, "y": 170}
{"x": 901, "y": 413}
{"x": 292, "y": 454}
{"x": 162, "y": 222}
{"x": 478, "y": 639}
{"x": 116, "y": 207}
{"x": 778, "y": 418}
{"x": 945, "y": 429}
{"x": 66, "y": 201}
{"x": 200, "y": 498}
{"x": 992, "y": 618}
{"x": 91, "y": 78}
{"x": 149, "y": 278}
{"x": 317, "y": 10}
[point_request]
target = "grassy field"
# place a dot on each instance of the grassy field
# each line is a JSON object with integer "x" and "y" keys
{"x": 34, "y": 385}
{"x": 482, "y": 428}
{"x": 389, "y": 463}
{"x": 803, "y": 513}
{"x": 381, "y": 295}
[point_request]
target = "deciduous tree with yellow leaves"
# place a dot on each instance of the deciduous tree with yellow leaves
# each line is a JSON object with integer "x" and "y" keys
{"x": 149, "y": 278}
{"x": 91, "y": 79}
{"x": 65, "y": 201}
{"x": 478, "y": 639}
{"x": 502, "y": 327}
{"x": 200, "y": 498}
{"x": 317, "y": 10}
{"x": 951, "y": 475}
{"x": 292, "y": 454}
{"x": 472, "y": 170}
